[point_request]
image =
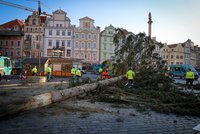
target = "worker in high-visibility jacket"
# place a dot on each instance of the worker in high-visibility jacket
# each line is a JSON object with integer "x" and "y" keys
{"x": 105, "y": 74}
{"x": 130, "y": 75}
{"x": 78, "y": 75}
{"x": 48, "y": 73}
{"x": 34, "y": 71}
{"x": 189, "y": 77}
{"x": 73, "y": 72}
{"x": 73, "y": 76}
{"x": 100, "y": 70}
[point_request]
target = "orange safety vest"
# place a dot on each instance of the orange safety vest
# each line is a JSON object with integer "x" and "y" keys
{"x": 105, "y": 75}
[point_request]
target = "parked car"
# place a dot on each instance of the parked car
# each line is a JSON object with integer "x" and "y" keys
{"x": 180, "y": 70}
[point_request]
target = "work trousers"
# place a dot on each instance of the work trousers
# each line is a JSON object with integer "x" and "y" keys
{"x": 130, "y": 83}
{"x": 48, "y": 76}
{"x": 189, "y": 81}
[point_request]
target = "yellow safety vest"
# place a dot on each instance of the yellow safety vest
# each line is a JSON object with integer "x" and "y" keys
{"x": 130, "y": 74}
{"x": 189, "y": 75}
{"x": 100, "y": 70}
{"x": 34, "y": 70}
{"x": 73, "y": 71}
{"x": 78, "y": 73}
{"x": 49, "y": 70}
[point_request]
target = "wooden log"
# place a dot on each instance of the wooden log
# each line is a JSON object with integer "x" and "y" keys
{"x": 53, "y": 96}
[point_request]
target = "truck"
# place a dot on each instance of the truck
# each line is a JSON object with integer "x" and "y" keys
{"x": 106, "y": 64}
{"x": 180, "y": 70}
{"x": 5, "y": 67}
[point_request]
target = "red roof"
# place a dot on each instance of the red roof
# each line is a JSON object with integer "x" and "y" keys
{"x": 13, "y": 23}
{"x": 125, "y": 32}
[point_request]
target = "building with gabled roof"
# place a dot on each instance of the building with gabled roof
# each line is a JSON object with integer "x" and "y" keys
{"x": 107, "y": 47}
{"x": 33, "y": 35}
{"x": 58, "y": 41}
{"x": 181, "y": 53}
{"x": 11, "y": 40}
{"x": 86, "y": 41}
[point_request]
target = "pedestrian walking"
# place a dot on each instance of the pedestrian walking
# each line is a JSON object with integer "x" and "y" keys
{"x": 48, "y": 73}
{"x": 34, "y": 71}
{"x": 189, "y": 77}
{"x": 130, "y": 75}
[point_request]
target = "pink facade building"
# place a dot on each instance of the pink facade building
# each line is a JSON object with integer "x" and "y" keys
{"x": 11, "y": 39}
{"x": 86, "y": 41}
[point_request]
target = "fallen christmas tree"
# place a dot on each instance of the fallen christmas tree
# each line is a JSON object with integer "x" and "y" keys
{"x": 152, "y": 89}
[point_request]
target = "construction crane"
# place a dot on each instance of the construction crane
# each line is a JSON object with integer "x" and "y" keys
{"x": 25, "y": 8}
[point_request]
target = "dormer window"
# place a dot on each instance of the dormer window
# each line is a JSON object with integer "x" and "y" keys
{"x": 86, "y": 24}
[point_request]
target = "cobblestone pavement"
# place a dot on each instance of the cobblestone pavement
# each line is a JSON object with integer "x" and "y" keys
{"x": 83, "y": 117}
{"x": 14, "y": 90}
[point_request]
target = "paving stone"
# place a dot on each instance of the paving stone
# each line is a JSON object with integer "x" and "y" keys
{"x": 58, "y": 120}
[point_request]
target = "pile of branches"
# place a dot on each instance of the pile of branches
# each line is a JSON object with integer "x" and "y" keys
{"x": 161, "y": 100}
{"x": 152, "y": 89}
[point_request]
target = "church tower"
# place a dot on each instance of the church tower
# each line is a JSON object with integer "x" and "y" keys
{"x": 149, "y": 26}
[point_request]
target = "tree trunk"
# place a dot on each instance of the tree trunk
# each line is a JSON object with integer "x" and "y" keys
{"x": 53, "y": 96}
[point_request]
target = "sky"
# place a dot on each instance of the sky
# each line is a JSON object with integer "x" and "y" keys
{"x": 174, "y": 21}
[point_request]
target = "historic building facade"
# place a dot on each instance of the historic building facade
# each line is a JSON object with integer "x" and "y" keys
{"x": 181, "y": 53}
{"x": 107, "y": 47}
{"x": 33, "y": 36}
{"x": 11, "y": 40}
{"x": 86, "y": 41}
{"x": 58, "y": 41}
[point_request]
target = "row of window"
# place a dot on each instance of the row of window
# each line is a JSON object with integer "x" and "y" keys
{"x": 11, "y": 53}
{"x": 187, "y": 50}
{"x": 88, "y": 56}
{"x": 33, "y": 30}
{"x": 89, "y": 45}
{"x": 34, "y": 37}
{"x": 172, "y": 56}
{"x": 58, "y": 42}
{"x": 89, "y": 36}
{"x": 10, "y": 43}
{"x": 177, "y": 63}
{"x": 52, "y": 53}
{"x": 77, "y": 45}
{"x": 59, "y": 32}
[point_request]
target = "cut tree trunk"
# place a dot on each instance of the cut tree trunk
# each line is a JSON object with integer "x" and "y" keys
{"x": 53, "y": 96}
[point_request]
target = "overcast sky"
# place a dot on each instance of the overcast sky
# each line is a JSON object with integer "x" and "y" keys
{"x": 174, "y": 21}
